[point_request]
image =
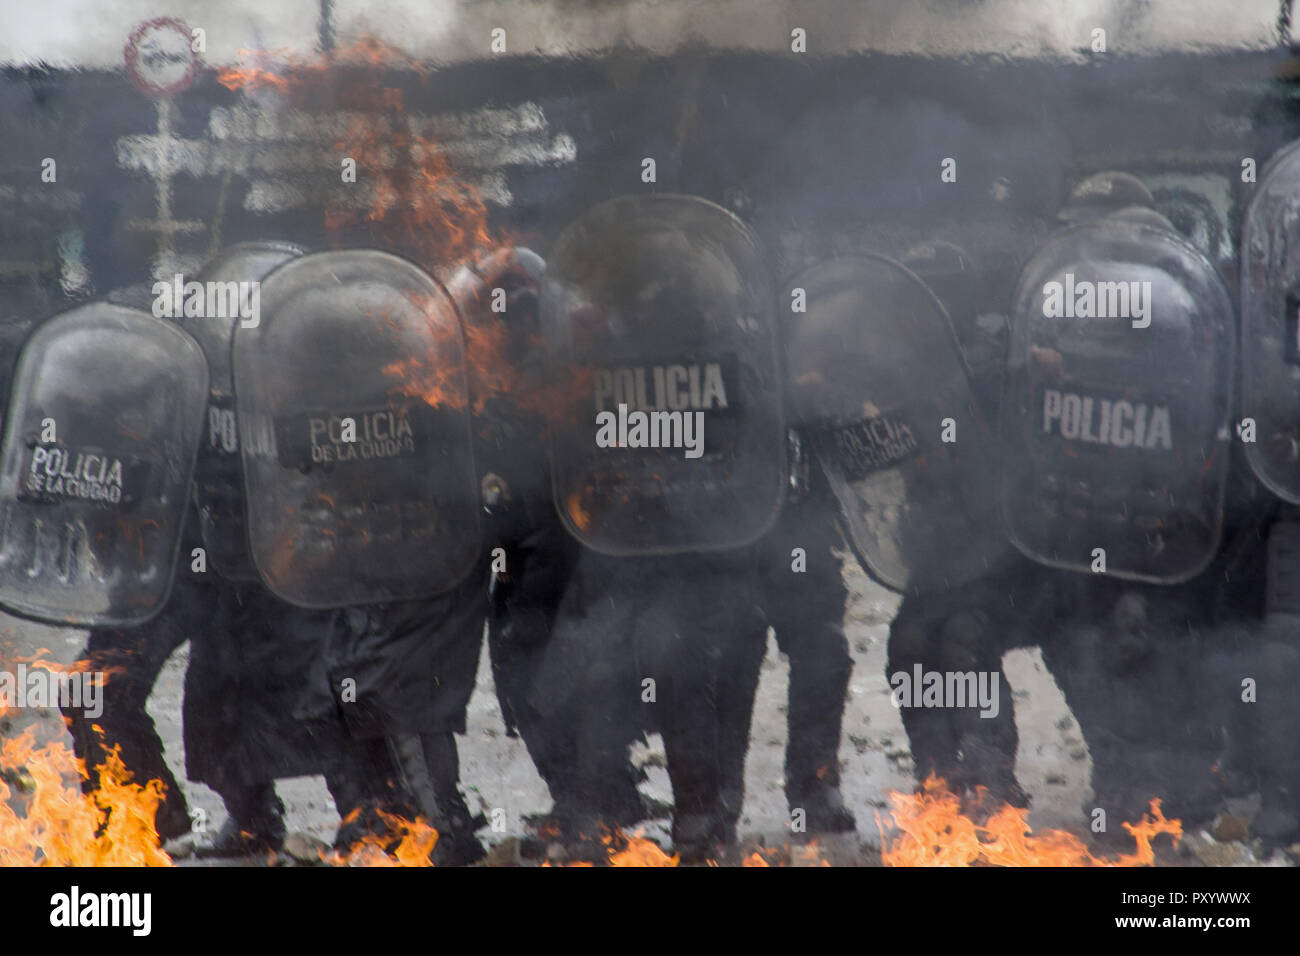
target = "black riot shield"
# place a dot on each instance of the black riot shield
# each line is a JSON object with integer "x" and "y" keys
{"x": 1114, "y": 416}
{"x": 657, "y": 318}
{"x": 879, "y": 387}
{"x": 354, "y": 424}
{"x": 105, "y": 415}
{"x": 218, "y": 482}
{"x": 1270, "y": 323}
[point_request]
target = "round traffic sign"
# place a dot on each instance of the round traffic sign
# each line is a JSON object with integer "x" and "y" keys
{"x": 159, "y": 58}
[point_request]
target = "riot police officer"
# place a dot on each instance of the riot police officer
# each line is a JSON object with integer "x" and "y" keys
{"x": 99, "y": 469}
{"x": 658, "y": 306}
{"x": 1128, "y": 655}
{"x": 248, "y": 650}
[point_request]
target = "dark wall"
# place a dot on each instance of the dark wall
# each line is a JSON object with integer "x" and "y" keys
{"x": 821, "y": 155}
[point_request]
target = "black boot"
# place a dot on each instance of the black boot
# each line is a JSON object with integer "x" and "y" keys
{"x": 816, "y": 705}
{"x": 429, "y": 771}
{"x": 824, "y": 809}
{"x": 457, "y": 845}
{"x": 362, "y": 780}
{"x": 255, "y": 825}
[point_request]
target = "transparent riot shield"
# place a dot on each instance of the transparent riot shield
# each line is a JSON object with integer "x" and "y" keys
{"x": 657, "y": 317}
{"x": 353, "y": 416}
{"x": 218, "y": 482}
{"x": 1270, "y": 326}
{"x": 878, "y": 384}
{"x": 105, "y": 415}
{"x": 1114, "y": 419}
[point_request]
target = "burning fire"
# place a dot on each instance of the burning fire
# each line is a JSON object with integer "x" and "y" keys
{"x": 634, "y": 850}
{"x": 48, "y": 823}
{"x": 409, "y": 197}
{"x": 413, "y": 198}
{"x": 935, "y": 832}
{"x": 800, "y": 856}
{"x": 407, "y": 843}
{"x": 46, "y": 819}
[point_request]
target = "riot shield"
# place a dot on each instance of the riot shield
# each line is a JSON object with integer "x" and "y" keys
{"x": 878, "y": 385}
{"x": 105, "y": 415}
{"x": 1270, "y": 324}
{"x": 1114, "y": 417}
{"x": 218, "y": 483}
{"x": 657, "y": 319}
{"x": 354, "y": 424}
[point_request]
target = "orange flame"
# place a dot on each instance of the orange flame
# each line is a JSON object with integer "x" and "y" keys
{"x": 407, "y": 843}
{"x": 801, "y": 856}
{"x": 59, "y": 825}
{"x": 935, "y": 832}
{"x": 285, "y": 72}
{"x": 430, "y": 377}
{"x": 577, "y": 510}
{"x": 415, "y": 202}
{"x": 634, "y": 850}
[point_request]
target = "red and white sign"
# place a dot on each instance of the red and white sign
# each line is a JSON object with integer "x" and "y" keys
{"x": 160, "y": 61}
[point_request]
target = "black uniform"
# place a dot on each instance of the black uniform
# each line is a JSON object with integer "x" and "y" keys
{"x": 806, "y": 609}
{"x": 969, "y": 629}
{"x": 1133, "y": 660}
{"x": 399, "y": 677}
{"x": 241, "y": 690}
{"x": 691, "y": 625}
{"x": 132, "y": 658}
{"x": 414, "y": 663}
{"x": 248, "y": 652}
{"x": 525, "y": 598}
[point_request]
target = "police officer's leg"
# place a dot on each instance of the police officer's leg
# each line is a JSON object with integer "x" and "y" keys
{"x": 366, "y": 783}
{"x": 454, "y": 668}
{"x": 972, "y": 643}
{"x": 1268, "y": 721}
{"x": 957, "y": 634}
{"x": 609, "y": 714}
{"x": 1134, "y": 677}
{"x": 913, "y": 639}
{"x": 685, "y": 708}
{"x": 255, "y": 819}
{"x": 1021, "y": 606}
{"x": 805, "y": 605}
{"x": 217, "y": 727}
{"x": 457, "y": 845}
{"x": 131, "y": 661}
{"x": 526, "y": 600}
{"x": 586, "y": 702}
{"x": 428, "y": 770}
{"x": 705, "y": 638}
{"x": 739, "y": 664}
{"x": 358, "y": 775}
{"x": 1088, "y": 657}
{"x": 415, "y": 664}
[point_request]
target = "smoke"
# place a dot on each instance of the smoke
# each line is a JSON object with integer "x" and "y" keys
{"x": 454, "y": 31}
